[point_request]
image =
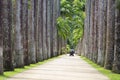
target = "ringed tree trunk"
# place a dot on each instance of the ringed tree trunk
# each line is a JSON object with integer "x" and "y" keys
{"x": 1, "y": 47}
{"x": 116, "y": 63}
{"x": 24, "y": 28}
{"x": 55, "y": 52}
{"x": 87, "y": 28}
{"x": 110, "y": 34}
{"x": 101, "y": 32}
{"x": 45, "y": 52}
{"x": 85, "y": 40}
{"x": 36, "y": 8}
{"x": 13, "y": 29}
{"x": 95, "y": 49}
{"x": 1, "y": 35}
{"x": 31, "y": 43}
{"x": 58, "y": 38}
{"x": 51, "y": 41}
{"x": 49, "y": 25}
{"x": 91, "y": 29}
{"x": 58, "y": 14}
{"x": 104, "y": 31}
{"x": 7, "y": 32}
{"x": 40, "y": 30}
{"x": 19, "y": 56}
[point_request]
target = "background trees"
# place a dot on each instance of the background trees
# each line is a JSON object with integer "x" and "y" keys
{"x": 71, "y": 22}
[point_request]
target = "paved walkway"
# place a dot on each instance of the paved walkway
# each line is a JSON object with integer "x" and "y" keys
{"x": 64, "y": 68}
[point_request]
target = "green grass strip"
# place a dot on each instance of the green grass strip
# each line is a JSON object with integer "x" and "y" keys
{"x": 108, "y": 73}
{"x": 19, "y": 70}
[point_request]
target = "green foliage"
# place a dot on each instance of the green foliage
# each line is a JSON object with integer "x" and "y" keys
{"x": 108, "y": 73}
{"x": 118, "y": 4}
{"x": 29, "y": 4}
{"x": 66, "y": 49}
{"x": 63, "y": 27}
{"x": 71, "y": 22}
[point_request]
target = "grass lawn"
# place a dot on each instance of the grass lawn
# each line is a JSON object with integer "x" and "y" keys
{"x": 19, "y": 70}
{"x": 108, "y": 73}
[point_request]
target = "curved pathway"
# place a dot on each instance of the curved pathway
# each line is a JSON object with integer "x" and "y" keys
{"x": 64, "y": 68}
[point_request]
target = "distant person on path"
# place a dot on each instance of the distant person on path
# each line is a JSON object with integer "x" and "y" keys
{"x": 72, "y": 52}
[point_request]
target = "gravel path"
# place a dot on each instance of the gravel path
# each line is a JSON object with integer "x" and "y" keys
{"x": 64, "y": 68}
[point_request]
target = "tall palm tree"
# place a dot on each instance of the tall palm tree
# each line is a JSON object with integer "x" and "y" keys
{"x": 19, "y": 56}
{"x": 116, "y": 63}
{"x": 1, "y": 35}
{"x": 36, "y": 14}
{"x": 40, "y": 30}
{"x": 91, "y": 28}
{"x": 24, "y": 28}
{"x": 54, "y": 28}
{"x": 58, "y": 37}
{"x": 32, "y": 49}
{"x": 110, "y": 34}
{"x": 45, "y": 52}
{"x": 7, "y": 40}
{"x": 87, "y": 29}
{"x": 101, "y": 32}
{"x": 95, "y": 49}
{"x": 49, "y": 25}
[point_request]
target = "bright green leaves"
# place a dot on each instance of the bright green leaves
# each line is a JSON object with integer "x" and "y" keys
{"x": 63, "y": 27}
{"x": 71, "y": 22}
{"x": 77, "y": 35}
{"x": 66, "y": 9}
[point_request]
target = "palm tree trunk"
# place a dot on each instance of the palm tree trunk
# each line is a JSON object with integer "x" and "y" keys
{"x": 101, "y": 32}
{"x": 7, "y": 40}
{"x": 88, "y": 6}
{"x": 36, "y": 8}
{"x": 55, "y": 52}
{"x": 19, "y": 56}
{"x": 24, "y": 27}
{"x": 110, "y": 34}
{"x": 104, "y": 31}
{"x": 116, "y": 63}
{"x": 1, "y": 35}
{"x": 95, "y": 49}
{"x": 40, "y": 30}
{"x": 32, "y": 51}
{"x": 45, "y": 52}
{"x": 49, "y": 25}
{"x": 91, "y": 29}
{"x": 58, "y": 14}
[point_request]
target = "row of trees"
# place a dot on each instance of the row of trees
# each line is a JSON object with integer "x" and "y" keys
{"x": 28, "y": 32}
{"x": 101, "y": 40}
